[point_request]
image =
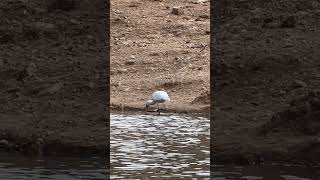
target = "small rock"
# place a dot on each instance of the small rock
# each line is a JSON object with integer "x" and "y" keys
{"x": 177, "y": 11}
{"x": 203, "y": 1}
{"x": 154, "y": 54}
{"x": 129, "y": 62}
{"x": 199, "y": 1}
{"x": 120, "y": 71}
{"x": 133, "y": 5}
{"x": 204, "y": 16}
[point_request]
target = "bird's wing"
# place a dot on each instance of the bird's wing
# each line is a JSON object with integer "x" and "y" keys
{"x": 160, "y": 95}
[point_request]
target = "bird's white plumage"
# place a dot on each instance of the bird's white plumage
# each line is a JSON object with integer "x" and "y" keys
{"x": 160, "y": 97}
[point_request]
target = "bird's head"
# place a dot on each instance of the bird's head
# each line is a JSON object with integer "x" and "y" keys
{"x": 148, "y": 103}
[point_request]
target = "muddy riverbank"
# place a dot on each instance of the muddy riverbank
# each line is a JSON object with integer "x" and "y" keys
{"x": 53, "y": 77}
{"x": 153, "y": 49}
{"x": 266, "y": 79}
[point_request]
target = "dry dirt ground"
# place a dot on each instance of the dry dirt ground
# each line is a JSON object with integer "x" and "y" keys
{"x": 153, "y": 49}
{"x": 266, "y": 79}
{"x": 53, "y": 66}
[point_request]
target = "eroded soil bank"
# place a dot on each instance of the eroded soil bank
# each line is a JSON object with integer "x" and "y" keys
{"x": 266, "y": 82}
{"x": 154, "y": 49}
{"x": 53, "y": 66}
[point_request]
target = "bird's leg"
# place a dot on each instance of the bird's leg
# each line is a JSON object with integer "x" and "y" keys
{"x": 158, "y": 108}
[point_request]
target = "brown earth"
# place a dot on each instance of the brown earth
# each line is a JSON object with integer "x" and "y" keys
{"x": 153, "y": 49}
{"x": 265, "y": 80}
{"x": 265, "y": 57}
{"x": 53, "y": 65}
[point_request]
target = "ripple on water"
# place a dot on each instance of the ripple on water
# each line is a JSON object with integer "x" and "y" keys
{"x": 159, "y": 146}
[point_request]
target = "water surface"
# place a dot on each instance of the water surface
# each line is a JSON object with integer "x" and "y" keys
{"x": 178, "y": 147}
{"x": 159, "y": 147}
{"x": 14, "y": 167}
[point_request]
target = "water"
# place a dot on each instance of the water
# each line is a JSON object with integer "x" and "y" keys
{"x": 14, "y": 167}
{"x": 149, "y": 147}
{"x": 176, "y": 147}
{"x": 159, "y": 147}
{"x": 267, "y": 172}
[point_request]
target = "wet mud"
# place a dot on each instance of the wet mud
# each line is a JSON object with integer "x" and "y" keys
{"x": 53, "y": 70}
{"x": 265, "y": 82}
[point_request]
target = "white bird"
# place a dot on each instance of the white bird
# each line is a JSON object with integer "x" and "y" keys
{"x": 158, "y": 97}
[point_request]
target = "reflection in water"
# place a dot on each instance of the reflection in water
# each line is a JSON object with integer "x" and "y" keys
{"x": 267, "y": 172}
{"x": 166, "y": 147}
{"x": 13, "y": 167}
